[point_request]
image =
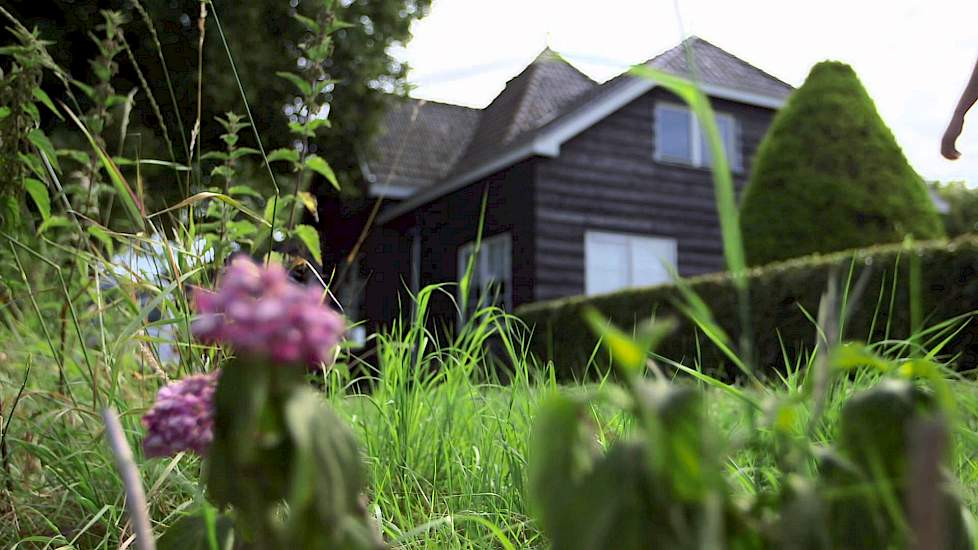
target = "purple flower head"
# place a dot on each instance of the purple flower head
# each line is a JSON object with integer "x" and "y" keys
{"x": 182, "y": 419}
{"x": 259, "y": 310}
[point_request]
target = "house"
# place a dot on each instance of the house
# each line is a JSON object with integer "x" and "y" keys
{"x": 589, "y": 187}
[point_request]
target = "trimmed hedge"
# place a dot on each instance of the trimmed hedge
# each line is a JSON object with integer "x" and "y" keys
{"x": 949, "y": 288}
{"x": 830, "y": 176}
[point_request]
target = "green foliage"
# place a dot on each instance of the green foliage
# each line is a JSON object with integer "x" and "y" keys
{"x": 265, "y": 37}
{"x": 19, "y": 127}
{"x": 662, "y": 486}
{"x": 830, "y": 176}
{"x": 285, "y": 463}
{"x": 784, "y": 300}
{"x": 962, "y": 202}
{"x": 204, "y": 530}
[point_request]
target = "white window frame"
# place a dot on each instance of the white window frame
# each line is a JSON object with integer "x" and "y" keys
{"x": 591, "y": 236}
{"x": 481, "y": 269}
{"x": 697, "y": 160}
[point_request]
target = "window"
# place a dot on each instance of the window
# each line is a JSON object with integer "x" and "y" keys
{"x": 680, "y": 139}
{"x": 614, "y": 261}
{"x": 492, "y": 273}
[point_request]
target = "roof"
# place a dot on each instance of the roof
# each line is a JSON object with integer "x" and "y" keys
{"x": 547, "y": 103}
{"x": 531, "y": 99}
{"x": 420, "y": 143}
{"x": 718, "y": 67}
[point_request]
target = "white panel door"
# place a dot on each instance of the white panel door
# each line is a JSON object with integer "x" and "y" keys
{"x": 614, "y": 261}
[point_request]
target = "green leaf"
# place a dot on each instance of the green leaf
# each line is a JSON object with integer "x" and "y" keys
{"x": 241, "y": 229}
{"x": 321, "y": 167}
{"x": 31, "y": 111}
{"x": 53, "y": 221}
{"x": 41, "y": 141}
{"x": 286, "y": 154}
{"x": 130, "y": 201}
{"x": 337, "y": 25}
{"x": 39, "y": 193}
{"x": 316, "y": 123}
{"x": 562, "y": 454}
{"x": 4, "y": 112}
{"x": 243, "y": 190}
{"x": 629, "y": 353}
{"x": 310, "y": 237}
{"x": 203, "y": 530}
{"x": 81, "y": 157}
{"x": 297, "y": 81}
{"x": 327, "y": 469}
{"x": 214, "y": 155}
{"x": 309, "y": 201}
{"x": 308, "y": 23}
{"x": 230, "y": 139}
{"x": 10, "y": 211}
{"x": 272, "y": 209}
{"x": 243, "y": 151}
{"x": 34, "y": 163}
{"x": 225, "y": 172}
{"x": 211, "y": 195}
{"x": 41, "y": 96}
{"x": 103, "y": 236}
{"x": 85, "y": 88}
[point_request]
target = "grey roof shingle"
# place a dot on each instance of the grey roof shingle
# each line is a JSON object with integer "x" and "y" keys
{"x": 719, "y": 67}
{"x": 420, "y": 141}
{"x": 428, "y": 142}
{"x": 531, "y": 99}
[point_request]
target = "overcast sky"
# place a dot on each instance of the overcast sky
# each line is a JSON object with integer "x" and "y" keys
{"x": 914, "y": 56}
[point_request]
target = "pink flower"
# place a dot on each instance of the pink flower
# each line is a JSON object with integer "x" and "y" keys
{"x": 259, "y": 310}
{"x": 182, "y": 419}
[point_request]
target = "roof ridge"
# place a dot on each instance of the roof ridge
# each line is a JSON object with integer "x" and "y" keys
{"x": 532, "y": 80}
{"x": 432, "y": 101}
{"x": 742, "y": 61}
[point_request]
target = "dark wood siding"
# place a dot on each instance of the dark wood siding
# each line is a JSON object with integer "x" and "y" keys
{"x": 445, "y": 225}
{"x": 606, "y": 179}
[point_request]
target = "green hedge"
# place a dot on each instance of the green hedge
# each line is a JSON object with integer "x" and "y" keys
{"x": 830, "y": 176}
{"x": 949, "y": 288}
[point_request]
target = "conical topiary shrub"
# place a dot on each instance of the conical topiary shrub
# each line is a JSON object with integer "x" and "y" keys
{"x": 830, "y": 176}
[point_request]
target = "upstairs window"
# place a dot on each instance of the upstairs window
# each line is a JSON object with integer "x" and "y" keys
{"x": 492, "y": 273}
{"x": 680, "y": 139}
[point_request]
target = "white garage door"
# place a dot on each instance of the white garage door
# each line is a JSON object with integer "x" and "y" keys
{"x": 617, "y": 260}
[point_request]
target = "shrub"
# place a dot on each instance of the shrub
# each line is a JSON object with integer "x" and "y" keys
{"x": 783, "y": 297}
{"x": 830, "y": 176}
{"x": 962, "y": 213}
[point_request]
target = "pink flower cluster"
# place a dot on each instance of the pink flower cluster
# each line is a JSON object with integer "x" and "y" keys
{"x": 182, "y": 419}
{"x": 259, "y": 310}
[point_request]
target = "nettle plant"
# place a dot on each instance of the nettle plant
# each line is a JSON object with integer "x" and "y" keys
{"x": 882, "y": 483}
{"x": 21, "y": 100}
{"x": 308, "y": 115}
{"x": 230, "y": 221}
{"x": 276, "y": 458}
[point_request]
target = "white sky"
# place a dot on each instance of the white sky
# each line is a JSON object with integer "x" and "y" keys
{"x": 914, "y": 56}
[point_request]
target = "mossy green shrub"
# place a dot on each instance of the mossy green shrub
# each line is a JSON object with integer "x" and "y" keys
{"x": 781, "y": 294}
{"x": 830, "y": 176}
{"x": 962, "y": 207}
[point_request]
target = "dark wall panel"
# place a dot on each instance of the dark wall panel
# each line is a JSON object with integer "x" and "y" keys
{"x": 449, "y": 223}
{"x": 606, "y": 179}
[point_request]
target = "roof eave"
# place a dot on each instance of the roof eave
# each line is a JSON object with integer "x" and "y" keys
{"x": 491, "y": 166}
